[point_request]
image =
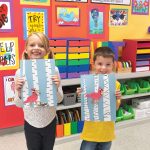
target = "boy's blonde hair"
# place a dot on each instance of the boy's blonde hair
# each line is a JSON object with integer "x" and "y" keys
{"x": 45, "y": 42}
{"x": 104, "y": 52}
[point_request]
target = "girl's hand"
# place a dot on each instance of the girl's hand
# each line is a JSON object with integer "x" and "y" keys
{"x": 56, "y": 80}
{"x": 19, "y": 82}
{"x": 118, "y": 94}
{"x": 79, "y": 91}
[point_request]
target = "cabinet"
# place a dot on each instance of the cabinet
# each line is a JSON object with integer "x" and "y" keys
{"x": 71, "y": 55}
{"x": 138, "y": 52}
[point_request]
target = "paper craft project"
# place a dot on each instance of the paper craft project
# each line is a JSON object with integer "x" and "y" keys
{"x": 39, "y": 87}
{"x": 98, "y": 100}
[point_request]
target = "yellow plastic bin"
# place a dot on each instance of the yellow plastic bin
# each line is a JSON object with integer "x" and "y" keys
{"x": 67, "y": 129}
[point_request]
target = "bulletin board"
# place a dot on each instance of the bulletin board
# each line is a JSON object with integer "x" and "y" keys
{"x": 11, "y": 116}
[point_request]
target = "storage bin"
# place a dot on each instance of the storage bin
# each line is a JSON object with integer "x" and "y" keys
{"x": 143, "y": 86}
{"x": 69, "y": 99}
{"x": 130, "y": 88}
{"x": 78, "y": 62}
{"x": 128, "y": 112}
{"x": 78, "y": 49}
{"x": 67, "y": 129}
{"x": 60, "y": 62}
{"x": 80, "y": 126}
{"x": 119, "y": 115}
{"x": 59, "y": 130}
{"x": 74, "y": 127}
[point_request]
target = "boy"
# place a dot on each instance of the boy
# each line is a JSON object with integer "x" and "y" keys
{"x": 99, "y": 135}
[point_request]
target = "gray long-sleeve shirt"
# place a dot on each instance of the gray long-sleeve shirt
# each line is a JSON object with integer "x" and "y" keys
{"x": 41, "y": 116}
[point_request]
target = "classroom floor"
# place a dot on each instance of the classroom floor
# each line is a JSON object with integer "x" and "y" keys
{"x": 129, "y": 138}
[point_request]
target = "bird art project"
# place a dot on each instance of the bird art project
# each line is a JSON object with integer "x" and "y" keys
{"x": 98, "y": 100}
{"x": 38, "y": 88}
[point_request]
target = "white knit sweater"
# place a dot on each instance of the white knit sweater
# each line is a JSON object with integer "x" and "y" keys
{"x": 41, "y": 116}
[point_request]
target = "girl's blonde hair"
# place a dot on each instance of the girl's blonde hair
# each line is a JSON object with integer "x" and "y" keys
{"x": 45, "y": 42}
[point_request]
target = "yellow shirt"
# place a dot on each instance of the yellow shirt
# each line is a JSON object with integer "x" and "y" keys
{"x": 102, "y": 131}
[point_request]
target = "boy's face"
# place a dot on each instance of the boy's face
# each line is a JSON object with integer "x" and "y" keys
{"x": 103, "y": 65}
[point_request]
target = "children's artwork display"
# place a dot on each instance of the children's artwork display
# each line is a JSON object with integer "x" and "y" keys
{"x": 121, "y": 2}
{"x": 9, "y": 90}
{"x": 36, "y": 2}
{"x": 9, "y": 53}
{"x": 39, "y": 87}
{"x": 68, "y": 16}
{"x": 118, "y": 17}
{"x": 82, "y": 1}
{"x": 96, "y": 19}
{"x": 6, "y": 15}
{"x": 140, "y": 7}
{"x": 34, "y": 20}
{"x": 98, "y": 100}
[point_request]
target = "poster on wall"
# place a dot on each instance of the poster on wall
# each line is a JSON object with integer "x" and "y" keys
{"x": 36, "y": 2}
{"x": 68, "y": 16}
{"x": 121, "y": 2}
{"x": 81, "y": 1}
{"x": 9, "y": 90}
{"x": 118, "y": 17}
{"x": 9, "y": 58}
{"x": 98, "y": 100}
{"x": 140, "y": 7}
{"x": 6, "y": 15}
{"x": 96, "y": 21}
{"x": 38, "y": 87}
{"x": 34, "y": 20}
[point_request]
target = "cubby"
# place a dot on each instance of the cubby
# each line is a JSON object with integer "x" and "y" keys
{"x": 138, "y": 52}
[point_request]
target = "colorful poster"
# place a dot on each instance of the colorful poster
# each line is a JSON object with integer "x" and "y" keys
{"x": 6, "y": 15}
{"x": 82, "y": 1}
{"x": 140, "y": 7}
{"x": 36, "y": 2}
{"x": 39, "y": 87}
{"x": 96, "y": 21}
{"x": 118, "y": 17}
{"x": 68, "y": 16}
{"x": 34, "y": 20}
{"x": 9, "y": 58}
{"x": 98, "y": 100}
{"x": 9, "y": 90}
{"x": 121, "y": 2}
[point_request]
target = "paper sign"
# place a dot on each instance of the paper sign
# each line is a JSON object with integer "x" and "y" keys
{"x": 39, "y": 87}
{"x": 9, "y": 90}
{"x": 98, "y": 100}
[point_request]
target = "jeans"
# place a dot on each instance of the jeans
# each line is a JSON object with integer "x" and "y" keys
{"x": 86, "y": 145}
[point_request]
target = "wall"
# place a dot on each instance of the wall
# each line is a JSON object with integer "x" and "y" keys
{"x": 137, "y": 27}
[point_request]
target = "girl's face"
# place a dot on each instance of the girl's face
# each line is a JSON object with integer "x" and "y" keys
{"x": 35, "y": 48}
{"x": 103, "y": 65}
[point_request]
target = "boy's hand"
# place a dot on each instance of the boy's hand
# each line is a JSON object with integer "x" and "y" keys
{"x": 56, "y": 80}
{"x": 19, "y": 82}
{"x": 118, "y": 94}
{"x": 79, "y": 91}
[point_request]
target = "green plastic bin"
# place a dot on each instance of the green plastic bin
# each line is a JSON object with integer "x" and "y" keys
{"x": 130, "y": 87}
{"x": 143, "y": 86}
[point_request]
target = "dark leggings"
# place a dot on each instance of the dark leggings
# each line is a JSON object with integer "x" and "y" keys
{"x": 40, "y": 138}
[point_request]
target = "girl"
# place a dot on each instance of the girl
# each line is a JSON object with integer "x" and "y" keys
{"x": 40, "y": 122}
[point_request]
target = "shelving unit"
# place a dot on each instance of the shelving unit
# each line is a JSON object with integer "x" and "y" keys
{"x": 76, "y": 81}
{"x": 138, "y": 52}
